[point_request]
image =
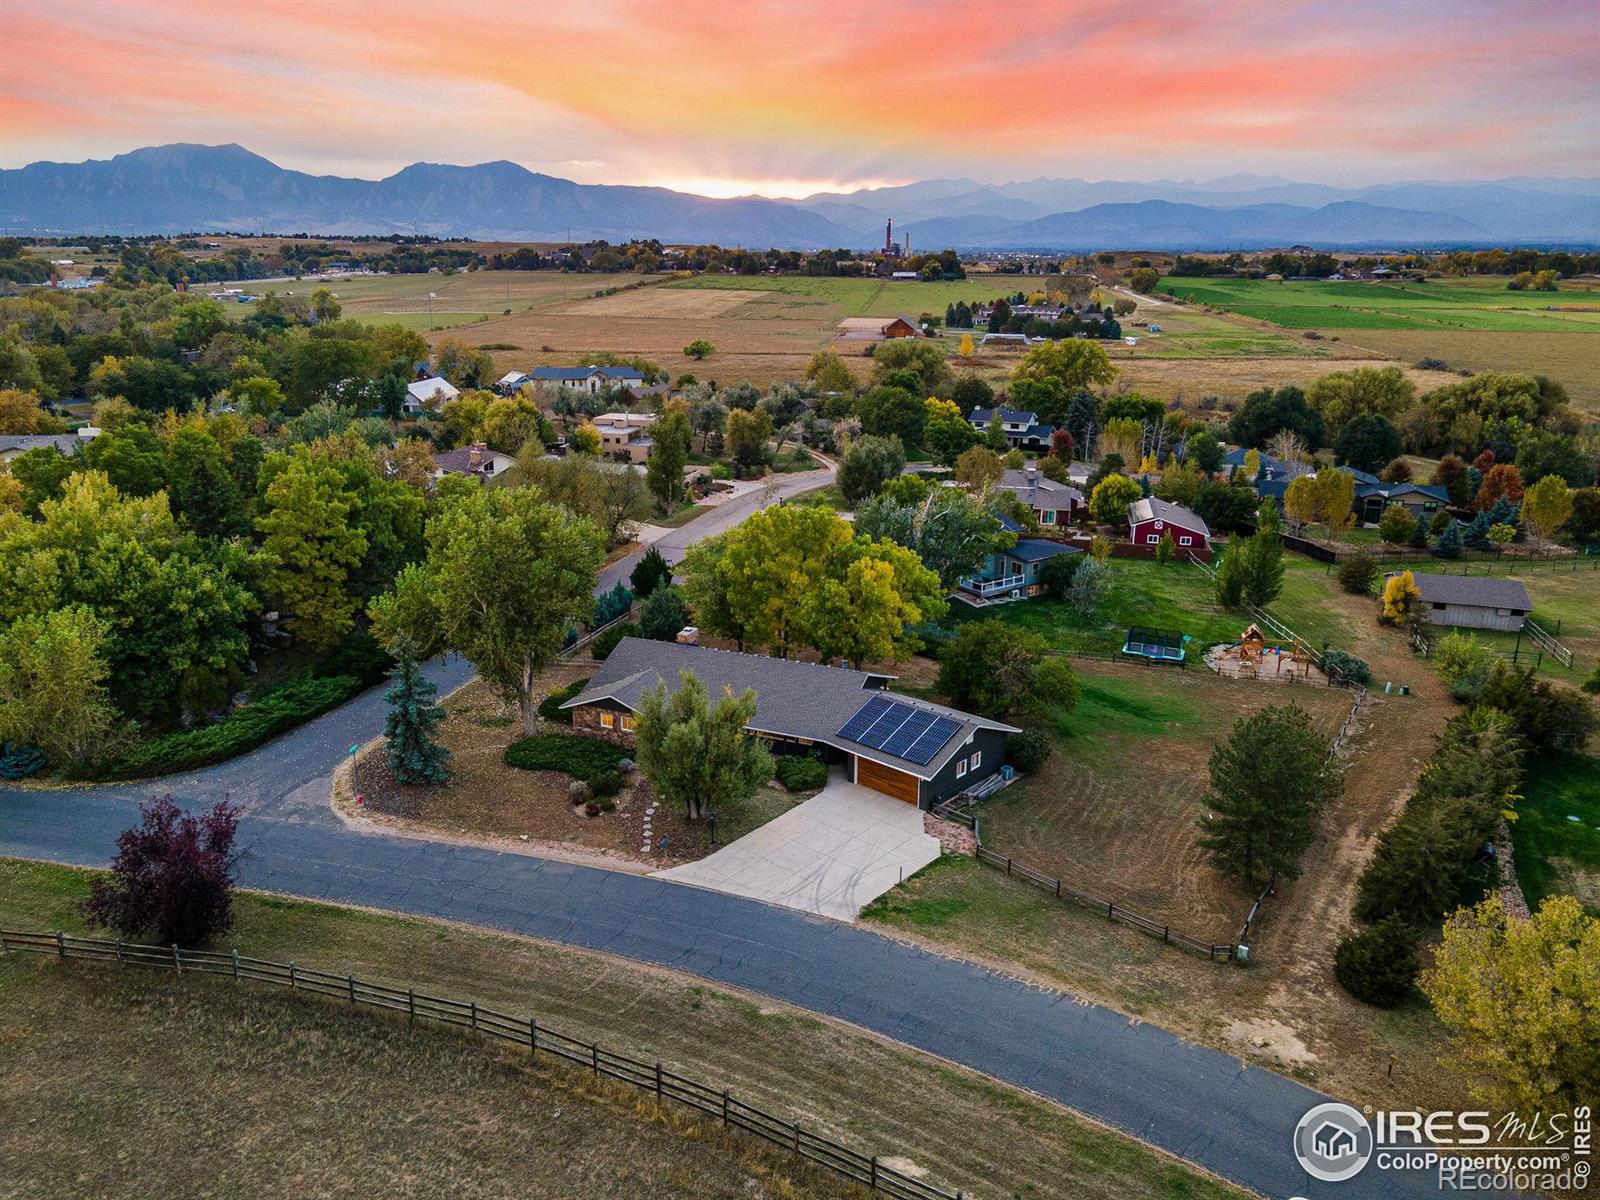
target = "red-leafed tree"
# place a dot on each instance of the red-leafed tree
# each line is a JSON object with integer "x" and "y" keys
{"x": 1500, "y": 480}
{"x": 173, "y": 875}
{"x": 1061, "y": 445}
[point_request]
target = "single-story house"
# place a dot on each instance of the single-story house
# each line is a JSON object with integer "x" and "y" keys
{"x": 1149, "y": 518}
{"x": 623, "y": 435}
{"x": 1022, "y": 428}
{"x": 477, "y": 461}
{"x": 1422, "y": 501}
{"x": 876, "y": 329}
{"x": 428, "y": 394}
{"x": 1473, "y": 601}
{"x": 907, "y": 748}
{"x": 12, "y": 445}
{"x": 593, "y": 380}
{"x": 1017, "y": 573}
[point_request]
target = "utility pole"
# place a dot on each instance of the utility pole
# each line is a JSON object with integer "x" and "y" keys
{"x": 430, "y": 312}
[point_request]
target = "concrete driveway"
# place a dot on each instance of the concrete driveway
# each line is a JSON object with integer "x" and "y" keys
{"x": 830, "y": 855}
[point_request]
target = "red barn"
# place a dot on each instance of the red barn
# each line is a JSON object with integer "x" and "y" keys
{"x": 1149, "y": 518}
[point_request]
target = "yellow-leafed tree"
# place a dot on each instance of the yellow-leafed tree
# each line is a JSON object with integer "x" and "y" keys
{"x": 1402, "y": 600}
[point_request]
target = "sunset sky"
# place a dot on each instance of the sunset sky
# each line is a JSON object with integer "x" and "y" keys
{"x": 784, "y": 98}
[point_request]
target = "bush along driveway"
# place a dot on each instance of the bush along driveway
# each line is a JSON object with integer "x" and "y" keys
{"x": 1195, "y": 1102}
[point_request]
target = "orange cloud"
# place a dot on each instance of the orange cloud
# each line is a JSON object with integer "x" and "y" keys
{"x": 792, "y": 92}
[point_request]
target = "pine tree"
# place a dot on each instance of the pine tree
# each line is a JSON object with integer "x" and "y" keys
{"x": 1449, "y": 543}
{"x": 414, "y": 755}
{"x": 1478, "y": 533}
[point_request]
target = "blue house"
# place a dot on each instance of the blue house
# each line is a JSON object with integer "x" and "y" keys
{"x": 1013, "y": 574}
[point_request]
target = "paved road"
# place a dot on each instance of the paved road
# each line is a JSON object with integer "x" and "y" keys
{"x": 676, "y": 542}
{"x": 1191, "y": 1100}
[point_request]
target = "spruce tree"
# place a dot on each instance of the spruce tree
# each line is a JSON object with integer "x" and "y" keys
{"x": 1449, "y": 543}
{"x": 1478, "y": 533}
{"x": 414, "y": 755}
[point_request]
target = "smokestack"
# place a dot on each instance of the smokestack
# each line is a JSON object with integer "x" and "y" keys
{"x": 888, "y": 236}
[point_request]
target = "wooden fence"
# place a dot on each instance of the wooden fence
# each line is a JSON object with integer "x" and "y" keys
{"x": 717, "y": 1103}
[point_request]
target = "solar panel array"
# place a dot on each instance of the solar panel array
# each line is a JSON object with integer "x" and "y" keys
{"x": 902, "y": 730}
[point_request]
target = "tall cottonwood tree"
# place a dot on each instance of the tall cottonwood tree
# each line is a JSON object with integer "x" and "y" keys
{"x": 506, "y": 575}
{"x": 312, "y": 546}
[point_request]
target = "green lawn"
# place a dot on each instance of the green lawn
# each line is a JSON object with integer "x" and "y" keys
{"x": 1556, "y": 854}
{"x": 1175, "y": 596}
{"x": 1459, "y": 304}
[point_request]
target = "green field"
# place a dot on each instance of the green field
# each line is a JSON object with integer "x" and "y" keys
{"x": 869, "y": 297}
{"x": 1445, "y": 304}
{"x": 1556, "y": 854}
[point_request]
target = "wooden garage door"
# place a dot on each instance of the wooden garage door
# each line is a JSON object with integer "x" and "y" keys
{"x": 886, "y": 780}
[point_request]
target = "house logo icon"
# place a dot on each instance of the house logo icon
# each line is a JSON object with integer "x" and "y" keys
{"x": 1333, "y": 1142}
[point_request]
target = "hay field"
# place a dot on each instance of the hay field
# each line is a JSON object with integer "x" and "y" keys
{"x": 1573, "y": 358}
{"x": 870, "y": 297}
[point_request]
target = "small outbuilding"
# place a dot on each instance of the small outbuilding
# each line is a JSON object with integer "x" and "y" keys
{"x": 1474, "y": 601}
{"x": 1149, "y": 518}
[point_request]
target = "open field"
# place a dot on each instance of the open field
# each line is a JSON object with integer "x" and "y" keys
{"x": 1572, "y": 358}
{"x": 869, "y": 297}
{"x": 1556, "y": 854}
{"x": 464, "y": 298}
{"x": 1478, "y": 303}
{"x": 858, "y": 1089}
{"x": 1116, "y": 811}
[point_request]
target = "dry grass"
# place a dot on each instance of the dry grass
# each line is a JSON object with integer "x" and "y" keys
{"x": 665, "y": 304}
{"x": 1232, "y": 379}
{"x": 1116, "y": 812}
{"x": 873, "y": 1095}
{"x": 1572, "y": 358}
{"x": 205, "y": 1088}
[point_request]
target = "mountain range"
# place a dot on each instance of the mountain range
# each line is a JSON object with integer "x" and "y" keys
{"x": 190, "y": 188}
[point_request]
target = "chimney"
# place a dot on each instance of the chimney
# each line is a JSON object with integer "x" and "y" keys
{"x": 1032, "y": 474}
{"x": 475, "y": 455}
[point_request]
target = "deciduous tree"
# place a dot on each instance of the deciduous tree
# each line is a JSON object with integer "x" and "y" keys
{"x": 312, "y": 547}
{"x": 53, "y": 685}
{"x": 696, "y": 753}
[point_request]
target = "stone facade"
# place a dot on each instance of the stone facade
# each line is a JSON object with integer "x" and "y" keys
{"x": 954, "y": 837}
{"x": 586, "y": 720}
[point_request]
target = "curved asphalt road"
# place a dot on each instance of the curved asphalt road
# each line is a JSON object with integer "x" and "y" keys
{"x": 1198, "y": 1103}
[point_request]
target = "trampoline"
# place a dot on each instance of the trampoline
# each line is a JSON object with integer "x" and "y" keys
{"x": 1155, "y": 645}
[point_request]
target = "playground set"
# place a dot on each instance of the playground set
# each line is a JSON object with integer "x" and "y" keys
{"x": 1253, "y": 654}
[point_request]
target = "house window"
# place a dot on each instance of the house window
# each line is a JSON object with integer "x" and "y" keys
{"x": 1438, "y": 608}
{"x": 607, "y": 721}
{"x": 1186, "y": 540}
{"x": 976, "y": 760}
{"x": 1152, "y": 539}
{"x": 961, "y": 767}
{"x": 1047, "y": 517}
{"x": 627, "y": 723}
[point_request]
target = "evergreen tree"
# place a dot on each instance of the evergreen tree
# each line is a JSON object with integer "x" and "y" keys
{"x": 414, "y": 755}
{"x": 1449, "y": 543}
{"x": 1419, "y": 536}
{"x": 1478, "y": 533}
{"x": 1502, "y": 513}
{"x": 651, "y": 571}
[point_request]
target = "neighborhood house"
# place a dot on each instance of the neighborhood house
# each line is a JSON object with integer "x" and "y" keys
{"x": 593, "y": 380}
{"x": 1149, "y": 518}
{"x": 1053, "y": 504}
{"x": 1474, "y": 602}
{"x": 1022, "y": 428}
{"x": 428, "y": 395}
{"x": 476, "y": 461}
{"x": 1014, "y": 574}
{"x": 909, "y": 749}
{"x": 622, "y": 436}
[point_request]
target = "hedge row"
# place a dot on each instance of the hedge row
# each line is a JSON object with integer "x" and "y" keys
{"x": 569, "y": 753}
{"x": 283, "y": 707}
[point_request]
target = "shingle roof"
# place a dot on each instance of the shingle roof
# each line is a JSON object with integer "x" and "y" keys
{"x": 1039, "y": 493}
{"x": 1039, "y": 549}
{"x": 982, "y": 416}
{"x": 64, "y": 443}
{"x": 1479, "y": 591}
{"x": 1149, "y": 508}
{"x": 576, "y": 374}
{"x": 793, "y": 699}
{"x": 427, "y": 389}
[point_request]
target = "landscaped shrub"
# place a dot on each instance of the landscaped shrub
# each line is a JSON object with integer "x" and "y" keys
{"x": 581, "y": 757}
{"x": 802, "y": 772}
{"x": 550, "y": 707}
{"x": 358, "y": 654}
{"x": 603, "y": 645}
{"x": 1028, "y": 750}
{"x": 269, "y": 714}
{"x": 19, "y": 762}
{"x": 1378, "y": 965}
{"x": 613, "y": 604}
{"x": 606, "y": 783}
{"x": 1465, "y": 663}
{"x": 663, "y": 614}
{"x": 1357, "y": 572}
{"x": 1344, "y": 665}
